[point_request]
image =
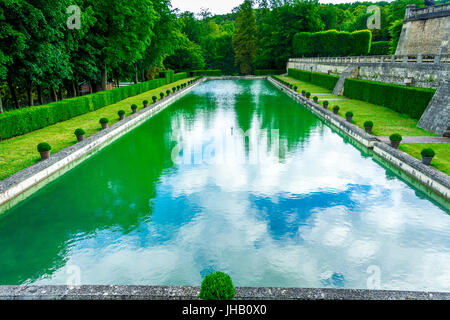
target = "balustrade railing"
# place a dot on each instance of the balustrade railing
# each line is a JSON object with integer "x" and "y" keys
{"x": 420, "y": 58}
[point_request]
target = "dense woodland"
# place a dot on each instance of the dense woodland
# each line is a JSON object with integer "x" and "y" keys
{"x": 43, "y": 60}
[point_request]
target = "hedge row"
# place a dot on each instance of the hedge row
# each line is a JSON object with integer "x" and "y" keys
{"x": 168, "y": 75}
{"x": 407, "y": 100}
{"x": 380, "y": 48}
{"x": 332, "y": 43}
{"x": 179, "y": 76}
{"x": 266, "y": 72}
{"x": 18, "y": 122}
{"x": 212, "y": 73}
{"x": 320, "y": 79}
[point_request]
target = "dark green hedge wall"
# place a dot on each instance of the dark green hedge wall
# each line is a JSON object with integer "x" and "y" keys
{"x": 332, "y": 43}
{"x": 321, "y": 79}
{"x": 18, "y": 122}
{"x": 380, "y": 48}
{"x": 265, "y": 72}
{"x": 212, "y": 73}
{"x": 179, "y": 76}
{"x": 407, "y": 100}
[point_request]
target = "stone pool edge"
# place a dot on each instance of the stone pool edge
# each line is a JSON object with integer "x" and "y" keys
{"x": 41, "y": 172}
{"x": 433, "y": 179}
{"x": 119, "y": 292}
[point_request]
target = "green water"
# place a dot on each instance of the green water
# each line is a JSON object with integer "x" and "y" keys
{"x": 237, "y": 177}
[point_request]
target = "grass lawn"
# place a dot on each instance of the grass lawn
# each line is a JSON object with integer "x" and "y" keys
{"x": 20, "y": 152}
{"x": 441, "y": 160}
{"x": 386, "y": 121}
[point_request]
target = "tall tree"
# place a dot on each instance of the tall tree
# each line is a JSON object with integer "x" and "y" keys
{"x": 244, "y": 37}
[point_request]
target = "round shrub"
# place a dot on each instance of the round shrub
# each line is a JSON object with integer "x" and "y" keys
{"x": 217, "y": 286}
{"x": 303, "y": 92}
{"x": 79, "y": 132}
{"x": 161, "y": 94}
{"x": 174, "y": 89}
{"x": 178, "y": 87}
{"x": 104, "y": 120}
{"x": 133, "y": 107}
{"x": 315, "y": 98}
{"x": 167, "y": 92}
{"x": 145, "y": 102}
{"x": 308, "y": 94}
{"x": 368, "y": 124}
{"x": 349, "y": 114}
{"x": 325, "y": 103}
{"x": 154, "y": 98}
{"x": 43, "y": 147}
{"x": 428, "y": 152}
{"x": 295, "y": 88}
{"x": 121, "y": 112}
{"x": 336, "y": 108}
{"x": 395, "y": 137}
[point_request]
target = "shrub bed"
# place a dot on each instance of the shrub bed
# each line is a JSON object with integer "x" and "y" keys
{"x": 19, "y": 122}
{"x": 320, "y": 79}
{"x": 212, "y": 73}
{"x": 267, "y": 72}
{"x": 407, "y": 100}
{"x": 379, "y": 48}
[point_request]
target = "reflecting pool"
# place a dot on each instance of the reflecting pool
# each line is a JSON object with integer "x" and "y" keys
{"x": 238, "y": 177}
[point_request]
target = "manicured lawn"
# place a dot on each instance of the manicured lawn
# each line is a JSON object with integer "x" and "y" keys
{"x": 386, "y": 121}
{"x": 441, "y": 160}
{"x": 20, "y": 152}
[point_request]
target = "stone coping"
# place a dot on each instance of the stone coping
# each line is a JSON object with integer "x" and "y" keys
{"x": 237, "y": 78}
{"x": 434, "y": 179}
{"x": 40, "y": 173}
{"x": 123, "y": 292}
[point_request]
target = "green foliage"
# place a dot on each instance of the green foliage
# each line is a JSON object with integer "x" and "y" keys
{"x": 308, "y": 94}
{"x": 267, "y": 72}
{"x": 154, "y": 98}
{"x": 368, "y": 123}
{"x": 395, "y": 30}
{"x": 332, "y": 43}
{"x": 325, "y": 103}
{"x": 121, "y": 112}
{"x": 349, "y": 114}
{"x": 217, "y": 286}
{"x": 315, "y": 98}
{"x": 395, "y": 137}
{"x": 211, "y": 73}
{"x": 103, "y": 120}
{"x": 407, "y": 100}
{"x": 320, "y": 79}
{"x": 167, "y": 92}
{"x": 380, "y": 48}
{"x": 336, "y": 108}
{"x": 145, "y": 102}
{"x": 43, "y": 147}
{"x": 428, "y": 152}
{"x": 161, "y": 94}
{"x": 134, "y": 107}
{"x": 244, "y": 37}
{"x": 188, "y": 55}
{"x": 79, "y": 132}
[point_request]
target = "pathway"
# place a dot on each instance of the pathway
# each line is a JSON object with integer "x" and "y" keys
{"x": 419, "y": 139}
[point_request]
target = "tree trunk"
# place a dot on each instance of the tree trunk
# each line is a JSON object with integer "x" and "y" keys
{"x": 136, "y": 79}
{"x": 104, "y": 77}
{"x": 54, "y": 97}
{"x": 39, "y": 93}
{"x": 1, "y": 105}
{"x": 30, "y": 94}
{"x": 60, "y": 97}
{"x": 77, "y": 88}
{"x": 13, "y": 91}
{"x": 74, "y": 90}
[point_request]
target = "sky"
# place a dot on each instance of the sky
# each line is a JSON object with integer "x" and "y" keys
{"x": 225, "y": 6}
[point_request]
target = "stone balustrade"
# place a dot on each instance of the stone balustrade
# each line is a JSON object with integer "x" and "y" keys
{"x": 413, "y": 59}
{"x": 413, "y": 13}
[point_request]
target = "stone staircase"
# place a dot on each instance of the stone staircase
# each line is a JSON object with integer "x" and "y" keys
{"x": 349, "y": 72}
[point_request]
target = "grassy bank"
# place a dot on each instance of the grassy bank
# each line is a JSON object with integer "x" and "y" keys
{"x": 441, "y": 160}
{"x": 20, "y": 152}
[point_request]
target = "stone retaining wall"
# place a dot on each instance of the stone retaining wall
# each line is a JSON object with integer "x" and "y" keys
{"x": 191, "y": 293}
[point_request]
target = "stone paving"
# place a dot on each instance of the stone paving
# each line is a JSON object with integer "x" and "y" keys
{"x": 419, "y": 139}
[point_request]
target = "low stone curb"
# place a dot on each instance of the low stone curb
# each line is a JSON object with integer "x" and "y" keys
{"x": 43, "y": 172}
{"x": 102, "y": 292}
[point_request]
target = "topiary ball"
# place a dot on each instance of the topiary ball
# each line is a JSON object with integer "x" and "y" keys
{"x": 217, "y": 286}
{"x": 79, "y": 132}
{"x": 43, "y": 147}
{"x": 104, "y": 120}
{"x": 428, "y": 152}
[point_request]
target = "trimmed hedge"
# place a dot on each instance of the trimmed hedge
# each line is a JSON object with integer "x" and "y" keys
{"x": 407, "y": 100}
{"x": 332, "y": 43}
{"x": 320, "y": 79}
{"x": 266, "y": 72}
{"x": 168, "y": 75}
{"x": 179, "y": 76}
{"x": 212, "y": 73}
{"x": 380, "y": 48}
{"x": 21, "y": 121}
